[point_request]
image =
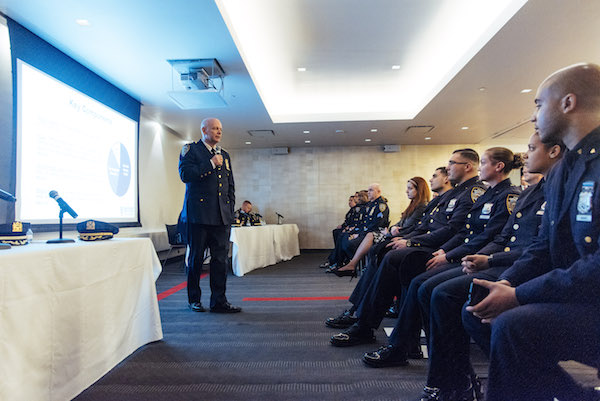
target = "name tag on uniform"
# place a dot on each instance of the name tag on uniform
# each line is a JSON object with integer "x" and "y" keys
{"x": 451, "y": 205}
{"x": 485, "y": 211}
{"x": 584, "y": 203}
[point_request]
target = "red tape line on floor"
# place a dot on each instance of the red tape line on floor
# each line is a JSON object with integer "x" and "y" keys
{"x": 297, "y": 299}
{"x": 177, "y": 288}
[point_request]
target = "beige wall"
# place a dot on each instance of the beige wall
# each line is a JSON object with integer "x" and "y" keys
{"x": 310, "y": 186}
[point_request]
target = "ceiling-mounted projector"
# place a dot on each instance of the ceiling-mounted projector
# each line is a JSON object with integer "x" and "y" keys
{"x": 196, "y": 80}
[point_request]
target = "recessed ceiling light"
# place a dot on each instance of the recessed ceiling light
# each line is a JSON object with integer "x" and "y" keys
{"x": 301, "y": 69}
{"x": 368, "y": 140}
{"x": 248, "y": 143}
{"x": 482, "y": 89}
{"x": 307, "y": 141}
{"x": 464, "y": 128}
{"x": 306, "y": 132}
{"x": 395, "y": 67}
{"x": 526, "y": 91}
{"x": 374, "y": 130}
{"x": 427, "y": 138}
{"x": 339, "y": 131}
{"x": 82, "y": 22}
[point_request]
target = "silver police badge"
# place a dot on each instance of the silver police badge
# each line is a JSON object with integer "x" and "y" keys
{"x": 584, "y": 203}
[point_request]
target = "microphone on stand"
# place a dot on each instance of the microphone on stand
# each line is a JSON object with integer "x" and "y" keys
{"x": 7, "y": 197}
{"x": 63, "y": 205}
{"x": 279, "y": 218}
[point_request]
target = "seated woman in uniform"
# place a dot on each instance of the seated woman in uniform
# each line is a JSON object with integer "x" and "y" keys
{"x": 417, "y": 191}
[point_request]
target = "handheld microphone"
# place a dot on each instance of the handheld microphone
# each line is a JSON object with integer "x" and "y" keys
{"x": 63, "y": 205}
{"x": 218, "y": 149}
{"x": 6, "y": 196}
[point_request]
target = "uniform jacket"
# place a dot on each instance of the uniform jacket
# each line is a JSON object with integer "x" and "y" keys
{"x": 485, "y": 220}
{"x": 520, "y": 229}
{"x": 376, "y": 215}
{"x": 411, "y": 221}
{"x": 449, "y": 215}
{"x": 350, "y": 217}
{"x": 209, "y": 192}
{"x": 563, "y": 263}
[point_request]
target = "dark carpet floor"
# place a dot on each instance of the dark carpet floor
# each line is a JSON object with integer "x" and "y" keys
{"x": 273, "y": 350}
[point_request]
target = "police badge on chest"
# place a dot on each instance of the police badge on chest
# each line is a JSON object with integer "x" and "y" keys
{"x": 584, "y": 203}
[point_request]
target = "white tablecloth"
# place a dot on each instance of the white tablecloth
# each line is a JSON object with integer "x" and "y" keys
{"x": 260, "y": 246}
{"x": 70, "y": 312}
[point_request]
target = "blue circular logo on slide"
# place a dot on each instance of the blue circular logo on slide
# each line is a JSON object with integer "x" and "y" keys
{"x": 119, "y": 169}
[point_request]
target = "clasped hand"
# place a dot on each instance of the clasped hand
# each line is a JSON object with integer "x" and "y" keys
{"x": 502, "y": 297}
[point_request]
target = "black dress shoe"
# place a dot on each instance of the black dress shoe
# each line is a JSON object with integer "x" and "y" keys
{"x": 345, "y": 273}
{"x": 197, "y": 307}
{"x": 385, "y": 357}
{"x": 226, "y": 308}
{"x": 435, "y": 394}
{"x": 353, "y": 336}
{"x": 342, "y": 321}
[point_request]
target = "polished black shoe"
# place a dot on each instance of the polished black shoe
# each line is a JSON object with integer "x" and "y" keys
{"x": 353, "y": 336}
{"x": 226, "y": 308}
{"x": 197, "y": 307}
{"x": 345, "y": 273}
{"x": 385, "y": 357}
{"x": 430, "y": 394}
{"x": 435, "y": 394}
{"x": 342, "y": 321}
{"x": 324, "y": 265}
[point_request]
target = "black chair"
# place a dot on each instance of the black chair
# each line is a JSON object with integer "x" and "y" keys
{"x": 174, "y": 237}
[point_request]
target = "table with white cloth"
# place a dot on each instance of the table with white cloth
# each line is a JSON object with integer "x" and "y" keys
{"x": 71, "y": 312}
{"x": 259, "y": 246}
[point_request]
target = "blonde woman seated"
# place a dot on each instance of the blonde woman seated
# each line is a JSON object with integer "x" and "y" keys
{"x": 417, "y": 190}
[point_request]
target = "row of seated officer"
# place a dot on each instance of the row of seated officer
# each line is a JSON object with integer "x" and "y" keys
{"x": 372, "y": 216}
{"x": 461, "y": 221}
{"x": 537, "y": 258}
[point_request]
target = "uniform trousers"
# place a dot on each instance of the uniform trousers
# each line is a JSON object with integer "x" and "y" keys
{"x": 395, "y": 272}
{"x": 349, "y": 246}
{"x": 216, "y": 238}
{"x": 526, "y": 344}
{"x": 441, "y": 299}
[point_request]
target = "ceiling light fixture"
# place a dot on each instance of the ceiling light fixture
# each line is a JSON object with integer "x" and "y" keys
{"x": 306, "y": 132}
{"x": 427, "y": 138}
{"x": 435, "y": 51}
{"x": 82, "y": 22}
{"x": 464, "y": 128}
{"x": 368, "y": 140}
{"x": 373, "y": 129}
{"x": 301, "y": 69}
{"x": 395, "y": 67}
{"x": 307, "y": 141}
{"x": 526, "y": 91}
{"x": 482, "y": 89}
{"x": 339, "y": 131}
{"x": 248, "y": 143}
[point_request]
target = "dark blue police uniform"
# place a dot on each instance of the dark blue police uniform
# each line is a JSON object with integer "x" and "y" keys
{"x": 207, "y": 216}
{"x": 557, "y": 281}
{"x": 485, "y": 220}
{"x": 377, "y": 216}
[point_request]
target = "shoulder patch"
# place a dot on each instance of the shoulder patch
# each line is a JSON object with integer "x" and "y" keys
{"x": 511, "y": 201}
{"x": 382, "y": 207}
{"x": 185, "y": 149}
{"x": 476, "y": 192}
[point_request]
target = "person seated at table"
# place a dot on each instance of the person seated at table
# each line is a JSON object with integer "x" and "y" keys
{"x": 419, "y": 195}
{"x": 336, "y": 257}
{"x": 244, "y": 216}
{"x": 376, "y": 219}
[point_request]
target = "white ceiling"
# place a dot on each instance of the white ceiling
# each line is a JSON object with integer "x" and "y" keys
{"x": 128, "y": 43}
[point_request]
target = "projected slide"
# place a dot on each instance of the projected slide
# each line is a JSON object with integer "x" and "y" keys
{"x": 71, "y": 143}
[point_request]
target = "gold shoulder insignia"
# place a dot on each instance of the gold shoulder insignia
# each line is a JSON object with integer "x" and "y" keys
{"x": 476, "y": 192}
{"x": 382, "y": 207}
{"x": 185, "y": 149}
{"x": 511, "y": 201}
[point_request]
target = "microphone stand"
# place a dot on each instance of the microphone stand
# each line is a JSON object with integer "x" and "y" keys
{"x": 60, "y": 239}
{"x": 279, "y": 218}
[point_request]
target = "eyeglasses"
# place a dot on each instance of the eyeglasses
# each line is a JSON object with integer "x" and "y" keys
{"x": 452, "y": 162}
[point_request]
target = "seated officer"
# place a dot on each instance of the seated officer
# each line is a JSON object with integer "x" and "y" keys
{"x": 243, "y": 215}
{"x": 377, "y": 218}
{"x": 440, "y": 184}
{"x": 544, "y": 308}
{"x": 400, "y": 265}
{"x": 348, "y": 221}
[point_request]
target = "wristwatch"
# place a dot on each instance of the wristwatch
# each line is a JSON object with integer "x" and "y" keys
{"x": 408, "y": 243}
